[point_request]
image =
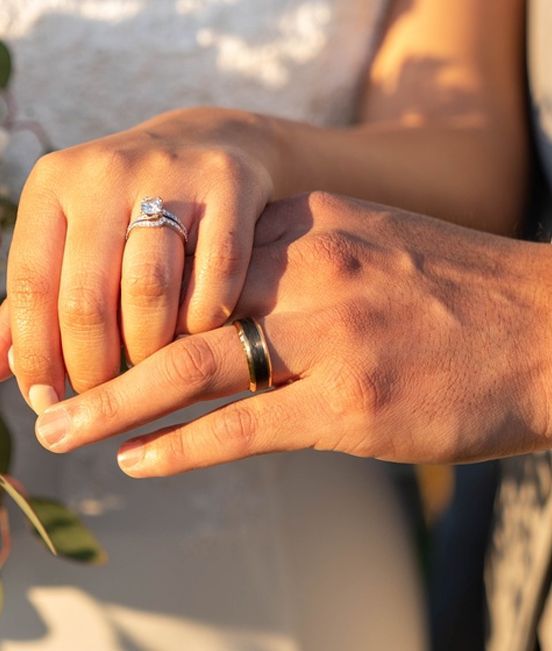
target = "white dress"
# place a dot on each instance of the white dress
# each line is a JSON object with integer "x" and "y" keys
{"x": 299, "y": 552}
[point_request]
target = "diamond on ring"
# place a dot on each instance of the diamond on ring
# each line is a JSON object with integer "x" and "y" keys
{"x": 151, "y": 206}
{"x": 152, "y": 215}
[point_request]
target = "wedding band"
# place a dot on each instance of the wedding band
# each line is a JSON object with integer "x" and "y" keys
{"x": 157, "y": 223}
{"x": 256, "y": 350}
{"x": 153, "y": 215}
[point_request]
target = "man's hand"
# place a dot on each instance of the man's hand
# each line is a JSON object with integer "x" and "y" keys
{"x": 392, "y": 335}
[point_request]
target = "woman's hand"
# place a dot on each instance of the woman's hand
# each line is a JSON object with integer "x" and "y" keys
{"x": 77, "y": 293}
{"x": 392, "y": 335}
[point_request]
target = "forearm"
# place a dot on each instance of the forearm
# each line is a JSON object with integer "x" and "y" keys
{"x": 442, "y": 124}
{"x": 464, "y": 173}
{"x": 468, "y": 171}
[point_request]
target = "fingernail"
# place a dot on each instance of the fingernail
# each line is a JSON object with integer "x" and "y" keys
{"x": 10, "y": 360}
{"x": 42, "y": 396}
{"x": 131, "y": 455}
{"x": 52, "y": 427}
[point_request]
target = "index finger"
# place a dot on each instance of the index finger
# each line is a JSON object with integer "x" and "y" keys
{"x": 193, "y": 368}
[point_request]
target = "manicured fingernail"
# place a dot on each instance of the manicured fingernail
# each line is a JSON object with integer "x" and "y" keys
{"x": 131, "y": 455}
{"x": 42, "y": 396}
{"x": 52, "y": 427}
{"x": 10, "y": 360}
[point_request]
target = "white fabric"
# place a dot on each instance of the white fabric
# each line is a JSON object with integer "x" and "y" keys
{"x": 282, "y": 553}
{"x": 90, "y": 67}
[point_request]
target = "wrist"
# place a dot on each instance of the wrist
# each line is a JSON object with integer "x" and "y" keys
{"x": 272, "y": 143}
{"x": 289, "y": 151}
{"x": 533, "y": 363}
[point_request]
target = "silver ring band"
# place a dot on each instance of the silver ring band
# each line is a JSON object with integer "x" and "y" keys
{"x": 157, "y": 223}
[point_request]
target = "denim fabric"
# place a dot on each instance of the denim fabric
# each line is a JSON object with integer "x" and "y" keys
{"x": 519, "y": 558}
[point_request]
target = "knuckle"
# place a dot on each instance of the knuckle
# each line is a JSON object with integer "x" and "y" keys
{"x": 201, "y": 319}
{"x": 227, "y": 259}
{"x": 113, "y": 160}
{"x": 235, "y": 427}
{"x": 46, "y": 168}
{"x": 406, "y": 263}
{"x": 192, "y": 364}
{"x": 102, "y": 162}
{"x": 169, "y": 453}
{"x": 334, "y": 254}
{"x": 33, "y": 364}
{"x": 227, "y": 164}
{"x": 82, "y": 307}
{"x": 80, "y": 383}
{"x": 146, "y": 283}
{"x": 103, "y": 405}
{"x": 85, "y": 376}
{"x": 320, "y": 201}
{"x": 163, "y": 157}
{"x": 28, "y": 289}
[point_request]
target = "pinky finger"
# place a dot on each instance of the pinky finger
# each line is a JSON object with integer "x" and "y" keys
{"x": 275, "y": 421}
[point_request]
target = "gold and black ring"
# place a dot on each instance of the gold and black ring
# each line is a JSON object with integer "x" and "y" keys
{"x": 256, "y": 350}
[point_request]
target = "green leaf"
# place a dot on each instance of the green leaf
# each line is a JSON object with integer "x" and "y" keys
{"x": 24, "y": 504}
{"x": 5, "y": 447}
{"x": 5, "y": 65}
{"x": 69, "y": 536}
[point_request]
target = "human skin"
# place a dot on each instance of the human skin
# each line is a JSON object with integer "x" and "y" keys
{"x": 392, "y": 335}
{"x": 440, "y": 130}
